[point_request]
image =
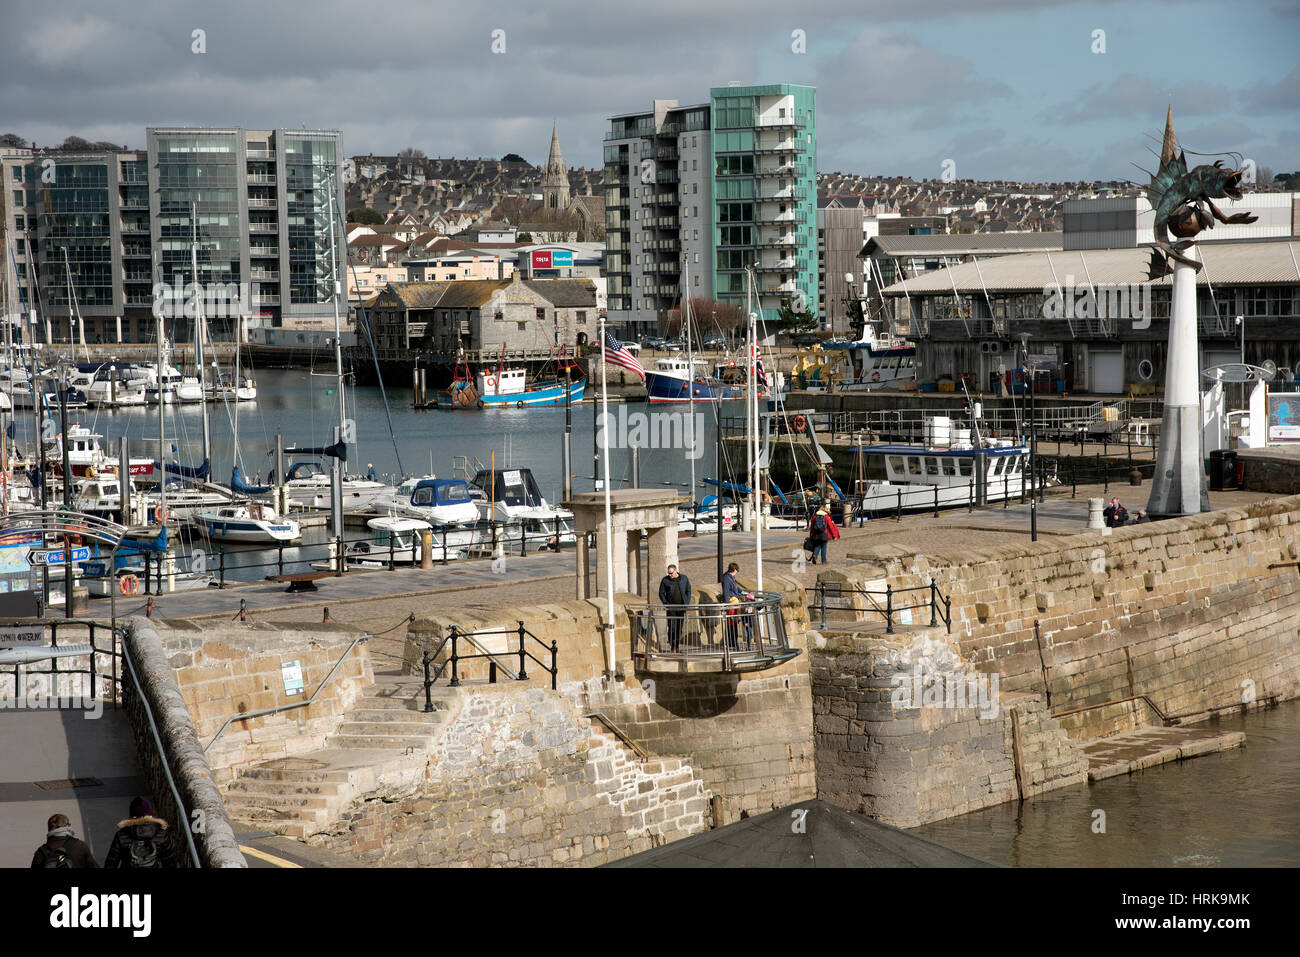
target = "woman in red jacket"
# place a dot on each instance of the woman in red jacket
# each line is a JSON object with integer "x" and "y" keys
{"x": 821, "y": 530}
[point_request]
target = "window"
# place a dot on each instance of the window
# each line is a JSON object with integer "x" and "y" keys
{"x": 523, "y": 326}
{"x": 695, "y": 164}
{"x": 582, "y": 315}
{"x": 18, "y": 197}
{"x": 697, "y": 278}
{"x": 964, "y": 466}
{"x": 697, "y": 259}
{"x": 949, "y": 468}
{"x": 697, "y": 234}
{"x": 695, "y": 187}
{"x": 913, "y": 465}
{"x": 541, "y": 314}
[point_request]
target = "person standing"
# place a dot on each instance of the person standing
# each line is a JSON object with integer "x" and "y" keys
{"x": 675, "y": 595}
{"x": 732, "y": 593}
{"x": 61, "y": 847}
{"x": 141, "y": 840}
{"x": 1116, "y": 514}
{"x": 821, "y": 530}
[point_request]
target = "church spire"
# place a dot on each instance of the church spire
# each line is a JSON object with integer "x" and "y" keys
{"x": 555, "y": 178}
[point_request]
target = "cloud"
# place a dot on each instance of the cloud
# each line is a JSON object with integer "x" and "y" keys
{"x": 1130, "y": 96}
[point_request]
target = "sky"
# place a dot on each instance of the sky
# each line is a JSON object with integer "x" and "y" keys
{"x": 1004, "y": 89}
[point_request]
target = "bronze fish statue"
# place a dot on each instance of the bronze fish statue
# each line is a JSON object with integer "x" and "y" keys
{"x": 1183, "y": 201}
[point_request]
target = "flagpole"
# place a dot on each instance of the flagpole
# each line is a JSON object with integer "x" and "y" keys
{"x": 758, "y": 472}
{"x": 609, "y": 523}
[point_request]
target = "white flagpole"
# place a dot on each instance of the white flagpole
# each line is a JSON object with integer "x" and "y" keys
{"x": 609, "y": 524}
{"x": 758, "y": 472}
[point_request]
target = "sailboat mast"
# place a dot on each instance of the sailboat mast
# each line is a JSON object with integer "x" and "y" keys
{"x": 199, "y": 322}
{"x": 690, "y": 374}
{"x": 336, "y": 486}
{"x": 757, "y": 468}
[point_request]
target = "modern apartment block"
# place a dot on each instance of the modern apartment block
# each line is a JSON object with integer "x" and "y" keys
{"x": 765, "y": 194}
{"x": 112, "y": 225}
{"x": 713, "y": 188}
{"x": 658, "y": 212}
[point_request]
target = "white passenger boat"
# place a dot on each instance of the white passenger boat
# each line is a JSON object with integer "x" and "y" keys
{"x": 917, "y": 477}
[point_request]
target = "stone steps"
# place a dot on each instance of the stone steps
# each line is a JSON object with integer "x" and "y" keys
{"x": 386, "y": 731}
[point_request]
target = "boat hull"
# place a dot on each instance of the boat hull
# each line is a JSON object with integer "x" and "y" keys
{"x": 552, "y": 395}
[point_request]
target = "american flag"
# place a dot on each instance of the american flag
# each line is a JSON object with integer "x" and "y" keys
{"x": 615, "y": 353}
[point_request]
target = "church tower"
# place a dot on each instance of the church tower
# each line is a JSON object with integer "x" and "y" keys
{"x": 555, "y": 179}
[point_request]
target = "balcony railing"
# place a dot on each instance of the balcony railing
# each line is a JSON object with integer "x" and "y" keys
{"x": 732, "y": 637}
{"x": 794, "y": 170}
{"x": 790, "y": 193}
{"x": 781, "y": 265}
{"x": 263, "y": 227}
{"x": 261, "y": 201}
{"x": 264, "y": 250}
{"x": 261, "y": 178}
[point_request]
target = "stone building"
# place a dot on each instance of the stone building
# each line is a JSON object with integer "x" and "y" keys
{"x": 555, "y": 181}
{"x": 440, "y": 319}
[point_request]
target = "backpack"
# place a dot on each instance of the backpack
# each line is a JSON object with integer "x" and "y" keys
{"x": 142, "y": 853}
{"x": 56, "y": 858}
{"x": 819, "y": 525}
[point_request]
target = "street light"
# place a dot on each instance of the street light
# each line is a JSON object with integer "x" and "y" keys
{"x": 1240, "y": 322}
{"x": 1033, "y": 444}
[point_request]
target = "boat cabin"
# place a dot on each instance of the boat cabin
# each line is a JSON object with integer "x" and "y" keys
{"x": 505, "y": 382}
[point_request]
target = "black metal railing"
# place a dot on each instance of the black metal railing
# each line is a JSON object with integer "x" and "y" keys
{"x": 65, "y": 633}
{"x": 740, "y": 636}
{"x": 458, "y": 637}
{"x": 885, "y": 602}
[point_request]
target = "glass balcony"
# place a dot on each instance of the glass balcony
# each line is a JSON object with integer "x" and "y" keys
{"x": 264, "y": 250}
{"x": 779, "y": 265}
{"x": 263, "y": 228}
{"x": 733, "y": 637}
{"x": 790, "y": 170}
{"x": 263, "y": 201}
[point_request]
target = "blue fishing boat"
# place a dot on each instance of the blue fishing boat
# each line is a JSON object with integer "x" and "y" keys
{"x": 504, "y": 388}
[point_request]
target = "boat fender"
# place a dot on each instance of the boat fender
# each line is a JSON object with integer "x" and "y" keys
{"x": 480, "y": 403}
{"x": 519, "y": 404}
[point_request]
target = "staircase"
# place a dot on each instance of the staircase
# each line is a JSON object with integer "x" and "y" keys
{"x": 384, "y": 738}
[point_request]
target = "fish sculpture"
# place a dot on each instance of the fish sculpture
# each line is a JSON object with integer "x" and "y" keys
{"x": 1183, "y": 201}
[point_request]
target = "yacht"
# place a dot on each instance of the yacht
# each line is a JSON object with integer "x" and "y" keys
{"x": 254, "y": 524}
{"x": 395, "y": 540}
{"x": 511, "y": 498}
{"x": 308, "y": 485}
{"x": 436, "y": 501}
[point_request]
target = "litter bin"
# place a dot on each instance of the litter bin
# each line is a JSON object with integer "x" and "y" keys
{"x": 1223, "y": 463}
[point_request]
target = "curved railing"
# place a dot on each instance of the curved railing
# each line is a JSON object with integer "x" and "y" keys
{"x": 748, "y": 635}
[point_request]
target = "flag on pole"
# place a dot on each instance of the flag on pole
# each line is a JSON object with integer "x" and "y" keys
{"x": 615, "y": 352}
{"x": 760, "y": 376}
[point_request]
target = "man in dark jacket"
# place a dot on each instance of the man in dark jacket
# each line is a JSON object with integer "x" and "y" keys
{"x": 675, "y": 595}
{"x": 141, "y": 840}
{"x": 732, "y": 593}
{"x": 1116, "y": 515}
{"x": 61, "y": 849}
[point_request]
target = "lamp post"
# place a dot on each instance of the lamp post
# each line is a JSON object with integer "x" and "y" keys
{"x": 1240, "y": 323}
{"x": 852, "y": 315}
{"x": 1033, "y": 444}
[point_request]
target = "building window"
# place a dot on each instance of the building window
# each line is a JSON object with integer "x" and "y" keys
{"x": 697, "y": 259}
{"x": 697, "y": 278}
{"x": 695, "y": 187}
{"x": 523, "y": 326}
{"x": 582, "y": 315}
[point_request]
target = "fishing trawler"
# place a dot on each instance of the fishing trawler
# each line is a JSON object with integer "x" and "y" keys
{"x": 510, "y": 388}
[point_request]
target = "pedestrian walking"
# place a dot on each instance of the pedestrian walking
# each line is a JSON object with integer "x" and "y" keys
{"x": 675, "y": 595}
{"x": 141, "y": 841}
{"x": 821, "y": 530}
{"x": 61, "y": 847}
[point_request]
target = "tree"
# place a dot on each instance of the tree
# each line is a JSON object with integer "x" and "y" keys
{"x": 75, "y": 143}
{"x": 1288, "y": 180}
{"x": 13, "y": 140}
{"x": 795, "y": 321}
{"x": 411, "y": 153}
{"x": 513, "y": 158}
{"x": 365, "y": 216}
{"x": 1264, "y": 178}
{"x": 524, "y": 238}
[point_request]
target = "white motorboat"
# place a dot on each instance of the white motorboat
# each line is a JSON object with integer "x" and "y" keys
{"x": 510, "y": 498}
{"x": 308, "y": 486}
{"x": 254, "y": 524}
{"x": 396, "y": 541}
{"x": 436, "y": 501}
{"x": 920, "y": 477}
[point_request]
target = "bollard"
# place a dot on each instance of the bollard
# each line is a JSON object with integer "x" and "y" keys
{"x": 222, "y": 582}
{"x": 936, "y": 501}
{"x": 428, "y": 683}
{"x": 426, "y": 548}
{"x": 1095, "y": 519}
{"x": 326, "y": 619}
{"x": 148, "y": 613}
{"x": 898, "y": 516}
{"x": 243, "y": 608}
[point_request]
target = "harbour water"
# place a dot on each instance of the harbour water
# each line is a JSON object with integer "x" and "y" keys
{"x": 303, "y": 407}
{"x": 1237, "y": 808}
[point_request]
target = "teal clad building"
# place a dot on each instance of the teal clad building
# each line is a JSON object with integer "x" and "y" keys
{"x": 764, "y": 189}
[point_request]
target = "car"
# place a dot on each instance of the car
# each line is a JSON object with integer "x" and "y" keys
{"x": 715, "y": 342}
{"x": 632, "y": 346}
{"x": 673, "y": 345}
{"x": 652, "y": 342}
{"x": 807, "y": 339}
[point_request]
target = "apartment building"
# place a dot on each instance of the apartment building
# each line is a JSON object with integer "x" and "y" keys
{"x": 106, "y": 236}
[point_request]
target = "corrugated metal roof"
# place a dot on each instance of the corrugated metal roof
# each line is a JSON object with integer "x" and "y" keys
{"x": 1224, "y": 264}
{"x": 953, "y": 244}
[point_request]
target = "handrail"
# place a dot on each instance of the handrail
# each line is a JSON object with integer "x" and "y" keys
{"x": 618, "y": 733}
{"x": 740, "y": 634}
{"x": 294, "y": 704}
{"x": 456, "y": 633}
{"x": 940, "y": 605}
{"x": 157, "y": 740}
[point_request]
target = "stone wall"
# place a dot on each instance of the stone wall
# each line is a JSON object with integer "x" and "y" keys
{"x": 158, "y": 698}
{"x": 231, "y": 668}
{"x": 1187, "y": 612}
{"x": 748, "y": 736}
{"x": 908, "y": 733}
{"x": 520, "y": 778}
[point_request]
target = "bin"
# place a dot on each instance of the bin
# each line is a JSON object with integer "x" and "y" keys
{"x": 1223, "y": 463}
